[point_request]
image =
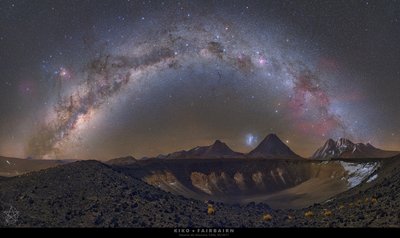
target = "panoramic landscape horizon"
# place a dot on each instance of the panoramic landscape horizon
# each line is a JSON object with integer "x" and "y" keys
{"x": 328, "y": 143}
{"x": 199, "y": 114}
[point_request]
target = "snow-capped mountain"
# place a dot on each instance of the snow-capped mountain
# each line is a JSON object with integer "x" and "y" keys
{"x": 344, "y": 148}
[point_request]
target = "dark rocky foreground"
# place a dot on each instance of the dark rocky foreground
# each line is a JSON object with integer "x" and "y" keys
{"x": 92, "y": 194}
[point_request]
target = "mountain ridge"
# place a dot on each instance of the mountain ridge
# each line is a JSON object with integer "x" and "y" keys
{"x": 216, "y": 150}
{"x": 345, "y": 148}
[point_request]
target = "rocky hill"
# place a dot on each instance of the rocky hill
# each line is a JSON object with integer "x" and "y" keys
{"x": 92, "y": 194}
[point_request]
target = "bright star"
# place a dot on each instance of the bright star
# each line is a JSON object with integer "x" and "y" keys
{"x": 63, "y": 73}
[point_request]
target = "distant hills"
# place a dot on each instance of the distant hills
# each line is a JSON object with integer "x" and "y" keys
{"x": 13, "y": 166}
{"x": 122, "y": 161}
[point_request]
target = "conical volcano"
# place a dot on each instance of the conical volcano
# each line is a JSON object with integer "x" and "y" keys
{"x": 272, "y": 147}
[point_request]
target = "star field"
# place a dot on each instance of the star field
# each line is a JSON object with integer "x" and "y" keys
{"x": 101, "y": 79}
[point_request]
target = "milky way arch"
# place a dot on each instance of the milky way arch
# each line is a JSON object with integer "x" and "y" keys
{"x": 307, "y": 105}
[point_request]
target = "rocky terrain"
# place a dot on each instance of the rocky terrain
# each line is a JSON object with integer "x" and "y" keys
{"x": 92, "y": 194}
{"x": 373, "y": 203}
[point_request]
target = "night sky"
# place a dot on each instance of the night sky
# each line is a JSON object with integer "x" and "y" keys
{"x": 100, "y": 79}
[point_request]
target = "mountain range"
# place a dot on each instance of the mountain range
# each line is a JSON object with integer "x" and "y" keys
{"x": 272, "y": 147}
{"x": 344, "y": 148}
